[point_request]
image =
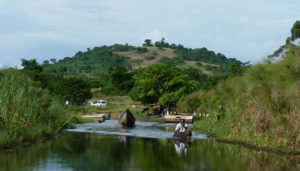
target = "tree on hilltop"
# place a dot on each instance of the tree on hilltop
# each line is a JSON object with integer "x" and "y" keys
{"x": 295, "y": 30}
{"x": 148, "y": 42}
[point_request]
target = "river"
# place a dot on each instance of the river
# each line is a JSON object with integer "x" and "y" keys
{"x": 148, "y": 146}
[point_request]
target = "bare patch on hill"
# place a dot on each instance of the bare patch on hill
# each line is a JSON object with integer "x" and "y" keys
{"x": 152, "y": 51}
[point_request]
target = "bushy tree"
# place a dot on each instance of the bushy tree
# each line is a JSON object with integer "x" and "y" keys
{"x": 119, "y": 81}
{"x": 74, "y": 89}
{"x": 237, "y": 68}
{"x": 163, "y": 84}
{"x": 31, "y": 65}
{"x": 295, "y": 30}
{"x": 147, "y": 42}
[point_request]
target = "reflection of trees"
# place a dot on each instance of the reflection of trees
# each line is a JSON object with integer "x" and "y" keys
{"x": 21, "y": 158}
{"x": 95, "y": 152}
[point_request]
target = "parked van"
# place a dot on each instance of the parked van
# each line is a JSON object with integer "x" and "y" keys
{"x": 99, "y": 103}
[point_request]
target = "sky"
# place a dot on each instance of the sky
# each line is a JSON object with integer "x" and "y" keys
{"x": 247, "y": 30}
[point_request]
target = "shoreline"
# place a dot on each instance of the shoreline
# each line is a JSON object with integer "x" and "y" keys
{"x": 263, "y": 148}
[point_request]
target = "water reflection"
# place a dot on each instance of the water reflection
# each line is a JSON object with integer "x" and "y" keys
{"x": 181, "y": 146}
{"x": 93, "y": 151}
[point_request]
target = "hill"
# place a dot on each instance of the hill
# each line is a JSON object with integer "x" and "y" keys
{"x": 96, "y": 62}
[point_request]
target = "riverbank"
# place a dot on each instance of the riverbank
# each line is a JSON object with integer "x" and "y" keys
{"x": 223, "y": 134}
{"x": 258, "y": 108}
{"x": 27, "y": 111}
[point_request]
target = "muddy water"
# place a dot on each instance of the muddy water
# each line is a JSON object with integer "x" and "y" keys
{"x": 148, "y": 146}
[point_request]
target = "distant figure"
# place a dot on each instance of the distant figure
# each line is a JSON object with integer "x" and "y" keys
{"x": 180, "y": 127}
{"x": 121, "y": 114}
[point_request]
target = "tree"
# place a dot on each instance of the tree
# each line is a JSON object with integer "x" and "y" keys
{"x": 141, "y": 50}
{"x": 118, "y": 82}
{"x": 163, "y": 84}
{"x": 147, "y": 42}
{"x": 74, "y": 89}
{"x": 237, "y": 68}
{"x": 46, "y": 62}
{"x": 53, "y": 60}
{"x": 295, "y": 30}
{"x": 31, "y": 65}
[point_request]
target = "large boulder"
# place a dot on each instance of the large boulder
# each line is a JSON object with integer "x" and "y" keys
{"x": 127, "y": 119}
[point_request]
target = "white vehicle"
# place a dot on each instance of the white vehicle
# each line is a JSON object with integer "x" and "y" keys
{"x": 99, "y": 103}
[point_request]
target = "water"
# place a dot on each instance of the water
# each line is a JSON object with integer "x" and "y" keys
{"x": 141, "y": 129}
{"x": 148, "y": 146}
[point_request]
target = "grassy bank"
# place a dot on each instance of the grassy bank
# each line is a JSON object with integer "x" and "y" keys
{"x": 27, "y": 111}
{"x": 115, "y": 105}
{"x": 260, "y": 107}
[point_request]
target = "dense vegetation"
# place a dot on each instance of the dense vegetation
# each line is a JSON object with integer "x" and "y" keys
{"x": 110, "y": 67}
{"x": 163, "y": 84}
{"x": 97, "y": 61}
{"x": 73, "y": 89}
{"x": 93, "y": 62}
{"x": 198, "y": 54}
{"x": 261, "y": 106}
{"x": 27, "y": 111}
{"x": 32, "y": 103}
{"x": 257, "y": 105}
{"x": 160, "y": 83}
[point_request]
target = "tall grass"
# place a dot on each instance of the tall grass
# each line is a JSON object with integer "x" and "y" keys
{"x": 261, "y": 107}
{"x": 26, "y": 110}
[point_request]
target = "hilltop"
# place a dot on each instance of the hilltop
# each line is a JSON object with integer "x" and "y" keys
{"x": 96, "y": 62}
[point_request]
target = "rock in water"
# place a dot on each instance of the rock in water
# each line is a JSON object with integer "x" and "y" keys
{"x": 127, "y": 119}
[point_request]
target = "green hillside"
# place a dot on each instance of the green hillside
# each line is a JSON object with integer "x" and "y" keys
{"x": 96, "y": 62}
{"x": 259, "y": 107}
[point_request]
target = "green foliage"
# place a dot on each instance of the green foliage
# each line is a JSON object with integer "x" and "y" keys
{"x": 119, "y": 82}
{"x": 210, "y": 68}
{"x": 260, "y": 107}
{"x": 237, "y": 68}
{"x": 74, "y": 89}
{"x": 96, "y": 62}
{"x": 141, "y": 50}
{"x": 137, "y": 61}
{"x": 161, "y": 44}
{"x": 122, "y": 48}
{"x": 147, "y": 42}
{"x": 150, "y": 57}
{"x": 162, "y": 84}
{"x": 93, "y": 63}
{"x": 31, "y": 65}
{"x": 27, "y": 111}
{"x": 199, "y": 64}
{"x": 171, "y": 61}
{"x": 295, "y": 31}
{"x": 295, "y": 34}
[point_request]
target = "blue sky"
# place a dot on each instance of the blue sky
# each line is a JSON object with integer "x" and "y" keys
{"x": 246, "y": 30}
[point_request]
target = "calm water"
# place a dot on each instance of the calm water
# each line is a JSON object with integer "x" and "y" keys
{"x": 148, "y": 146}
